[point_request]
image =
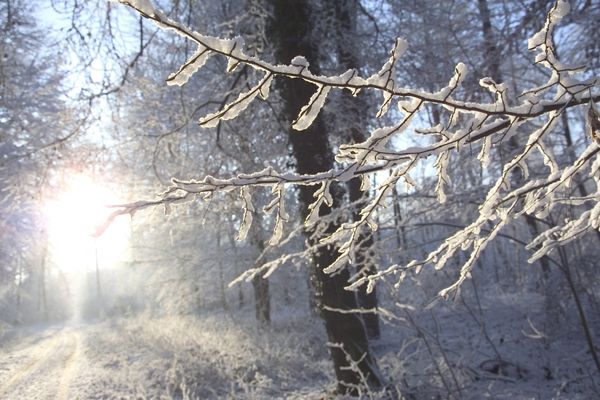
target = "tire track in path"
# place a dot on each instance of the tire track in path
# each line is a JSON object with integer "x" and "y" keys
{"x": 69, "y": 368}
{"x": 46, "y": 350}
{"x": 49, "y": 370}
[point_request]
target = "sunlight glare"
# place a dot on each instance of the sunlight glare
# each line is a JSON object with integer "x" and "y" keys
{"x": 73, "y": 216}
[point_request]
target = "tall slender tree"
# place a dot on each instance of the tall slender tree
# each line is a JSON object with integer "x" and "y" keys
{"x": 290, "y": 31}
{"x": 353, "y": 128}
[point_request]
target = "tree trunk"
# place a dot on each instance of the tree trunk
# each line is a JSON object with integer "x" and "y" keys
{"x": 290, "y": 30}
{"x": 571, "y": 153}
{"x": 42, "y": 301}
{"x": 237, "y": 266}
{"x": 19, "y": 288}
{"x": 222, "y": 293}
{"x": 262, "y": 305}
{"x": 493, "y": 57}
{"x": 356, "y": 109}
{"x": 98, "y": 285}
{"x": 262, "y": 300}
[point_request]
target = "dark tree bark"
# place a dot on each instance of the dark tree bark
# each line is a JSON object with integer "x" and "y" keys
{"x": 290, "y": 30}
{"x": 262, "y": 305}
{"x": 355, "y": 131}
{"x": 262, "y": 300}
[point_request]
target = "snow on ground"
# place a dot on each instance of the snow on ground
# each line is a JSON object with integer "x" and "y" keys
{"x": 40, "y": 365}
{"x": 490, "y": 353}
{"x": 486, "y": 353}
{"x": 166, "y": 358}
{"x": 187, "y": 357}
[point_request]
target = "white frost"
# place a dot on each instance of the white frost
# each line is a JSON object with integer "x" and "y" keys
{"x": 188, "y": 69}
{"x": 310, "y": 111}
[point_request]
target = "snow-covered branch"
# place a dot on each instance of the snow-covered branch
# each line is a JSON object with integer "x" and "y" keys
{"x": 532, "y": 116}
{"x": 383, "y": 81}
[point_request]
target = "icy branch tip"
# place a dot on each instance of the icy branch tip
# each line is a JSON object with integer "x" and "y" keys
{"x": 143, "y": 6}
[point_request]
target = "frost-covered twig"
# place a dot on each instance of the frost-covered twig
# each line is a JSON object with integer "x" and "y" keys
{"x": 361, "y": 390}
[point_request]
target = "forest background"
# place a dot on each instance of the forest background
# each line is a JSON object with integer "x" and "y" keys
{"x": 365, "y": 215}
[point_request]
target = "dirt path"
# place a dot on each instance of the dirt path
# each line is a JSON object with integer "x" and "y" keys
{"x": 42, "y": 368}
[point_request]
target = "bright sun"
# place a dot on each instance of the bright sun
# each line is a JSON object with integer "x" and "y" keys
{"x": 73, "y": 216}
